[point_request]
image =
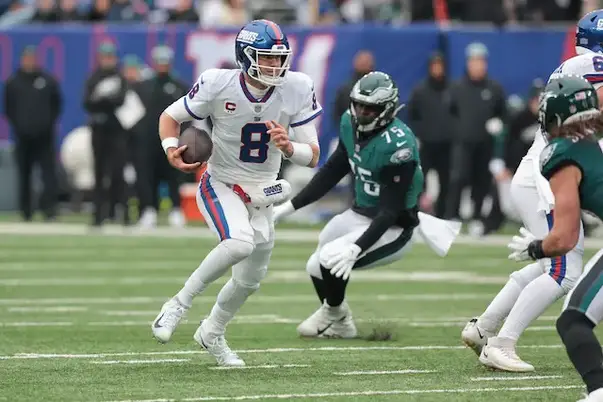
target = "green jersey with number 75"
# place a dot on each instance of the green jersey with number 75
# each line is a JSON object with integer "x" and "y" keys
{"x": 395, "y": 145}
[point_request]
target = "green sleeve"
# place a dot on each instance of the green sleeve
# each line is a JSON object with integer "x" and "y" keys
{"x": 559, "y": 154}
{"x": 500, "y": 141}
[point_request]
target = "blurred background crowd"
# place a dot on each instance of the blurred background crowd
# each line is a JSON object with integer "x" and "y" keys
{"x": 473, "y": 130}
{"x": 214, "y": 13}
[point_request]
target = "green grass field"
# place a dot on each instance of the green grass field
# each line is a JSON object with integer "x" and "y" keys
{"x": 76, "y": 310}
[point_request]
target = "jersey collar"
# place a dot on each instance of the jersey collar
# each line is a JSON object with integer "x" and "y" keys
{"x": 248, "y": 94}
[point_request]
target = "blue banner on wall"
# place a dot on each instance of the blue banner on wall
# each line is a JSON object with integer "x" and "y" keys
{"x": 326, "y": 54}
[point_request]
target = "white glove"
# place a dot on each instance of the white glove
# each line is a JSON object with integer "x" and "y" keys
{"x": 342, "y": 262}
{"x": 282, "y": 210}
{"x": 494, "y": 126}
{"x": 519, "y": 245}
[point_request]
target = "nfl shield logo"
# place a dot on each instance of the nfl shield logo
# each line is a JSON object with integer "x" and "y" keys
{"x": 357, "y": 148}
{"x": 258, "y": 109}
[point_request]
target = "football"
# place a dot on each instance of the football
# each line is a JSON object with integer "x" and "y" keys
{"x": 199, "y": 144}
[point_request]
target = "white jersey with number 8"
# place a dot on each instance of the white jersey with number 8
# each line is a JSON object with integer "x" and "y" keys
{"x": 243, "y": 152}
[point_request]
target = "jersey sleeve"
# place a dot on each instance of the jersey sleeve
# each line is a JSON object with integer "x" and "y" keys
{"x": 197, "y": 103}
{"x": 309, "y": 107}
{"x": 558, "y": 155}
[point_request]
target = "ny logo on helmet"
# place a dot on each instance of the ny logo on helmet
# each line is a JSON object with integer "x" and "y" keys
{"x": 247, "y": 36}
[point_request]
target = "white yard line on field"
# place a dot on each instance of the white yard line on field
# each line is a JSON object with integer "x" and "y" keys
{"x": 282, "y": 235}
{"x": 261, "y": 366}
{"x": 436, "y": 297}
{"x": 21, "y": 356}
{"x": 278, "y": 276}
{"x": 252, "y": 319}
{"x": 519, "y": 378}
{"x": 37, "y": 324}
{"x": 361, "y": 393}
{"x": 140, "y": 361}
{"x": 372, "y": 372}
{"x": 49, "y": 309}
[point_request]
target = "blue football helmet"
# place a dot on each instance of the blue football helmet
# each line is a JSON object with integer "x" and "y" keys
{"x": 589, "y": 34}
{"x": 263, "y": 38}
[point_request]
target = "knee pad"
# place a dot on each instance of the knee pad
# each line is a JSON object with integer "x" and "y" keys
{"x": 237, "y": 249}
{"x": 313, "y": 266}
{"x": 330, "y": 249}
{"x": 527, "y": 274}
{"x": 245, "y": 288}
{"x": 572, "y": 322}
{"x": 233, "y": 295}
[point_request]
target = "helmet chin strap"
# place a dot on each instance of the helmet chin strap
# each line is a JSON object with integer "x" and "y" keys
{"x": 402, "y": 106}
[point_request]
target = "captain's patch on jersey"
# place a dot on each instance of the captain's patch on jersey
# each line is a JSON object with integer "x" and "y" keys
{"x": 401, "y": 155}
{"x": 546, "y": 154}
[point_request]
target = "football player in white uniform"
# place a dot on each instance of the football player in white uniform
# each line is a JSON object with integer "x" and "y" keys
{"x": 251, "y": 109}
{"x": 532, "y": 289}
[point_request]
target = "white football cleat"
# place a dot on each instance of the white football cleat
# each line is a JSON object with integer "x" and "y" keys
{"x": 329, "y": 322}
{"x": 168, "y": 319}
{"x": 500, "y": 354}
{"x": 474, "y": 336}
{"x": 176, "y": 218}
{"x": 595, "y": 396}
{"x": 218, "y": 348}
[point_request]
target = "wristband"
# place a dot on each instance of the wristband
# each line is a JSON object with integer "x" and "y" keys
{"x": 302, "y": 154}
{"x": 535, "y": 250}
{"x": 169, "y": 142}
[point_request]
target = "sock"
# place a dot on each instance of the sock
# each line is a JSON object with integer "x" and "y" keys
{"x": 214, "y": 265}
{"x": 334, "y": 288}
{"x": 502, "y": 304}
{"x": 534, "y": 299}
{"x": 230, "y": 299}
{"x": 319, "y": 286}
{"x": 582, "y": 347}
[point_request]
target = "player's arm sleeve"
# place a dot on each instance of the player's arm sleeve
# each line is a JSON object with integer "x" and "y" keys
{"x": 556, "y": 163}
{"x": 195, "y": 105}
{"x": 395, "y": 181}
{"x": 310, "y": 108}
{"x": 306, "y": 134}
{"x": 327, "y": 177}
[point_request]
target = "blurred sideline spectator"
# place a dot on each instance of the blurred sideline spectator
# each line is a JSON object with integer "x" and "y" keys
{"x": 364, "y": 62}
{"x": 522, "y": 129}
{"x": 32, "y": 89}
{"x": 215, "y": 13}
{"x": 68, "y": 11}
{"x": 46, "y": 11}
{"x": 477, "y": 105}
{"x": 105, "y": 92}
{"x": 211, "y": 13}
{"x": 126, "y": 10}
{"x": 99, "y": 10}
{"x": 159, "y": 92}
{"x": 184, "y": 11}
{"x": 429, "y": 118}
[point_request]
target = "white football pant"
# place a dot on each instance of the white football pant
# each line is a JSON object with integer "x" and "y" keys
{"x": 346, "y": 228}
{"x": 565, "y": 270}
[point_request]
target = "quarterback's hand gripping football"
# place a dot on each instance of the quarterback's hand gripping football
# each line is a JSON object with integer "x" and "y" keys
{"x": 174, "y": 156}
{"x": 281, "y": 211}
{"x": 278, "y": 134}
{"x": 519, "y": 245}
{"x": 342, "y": 262}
